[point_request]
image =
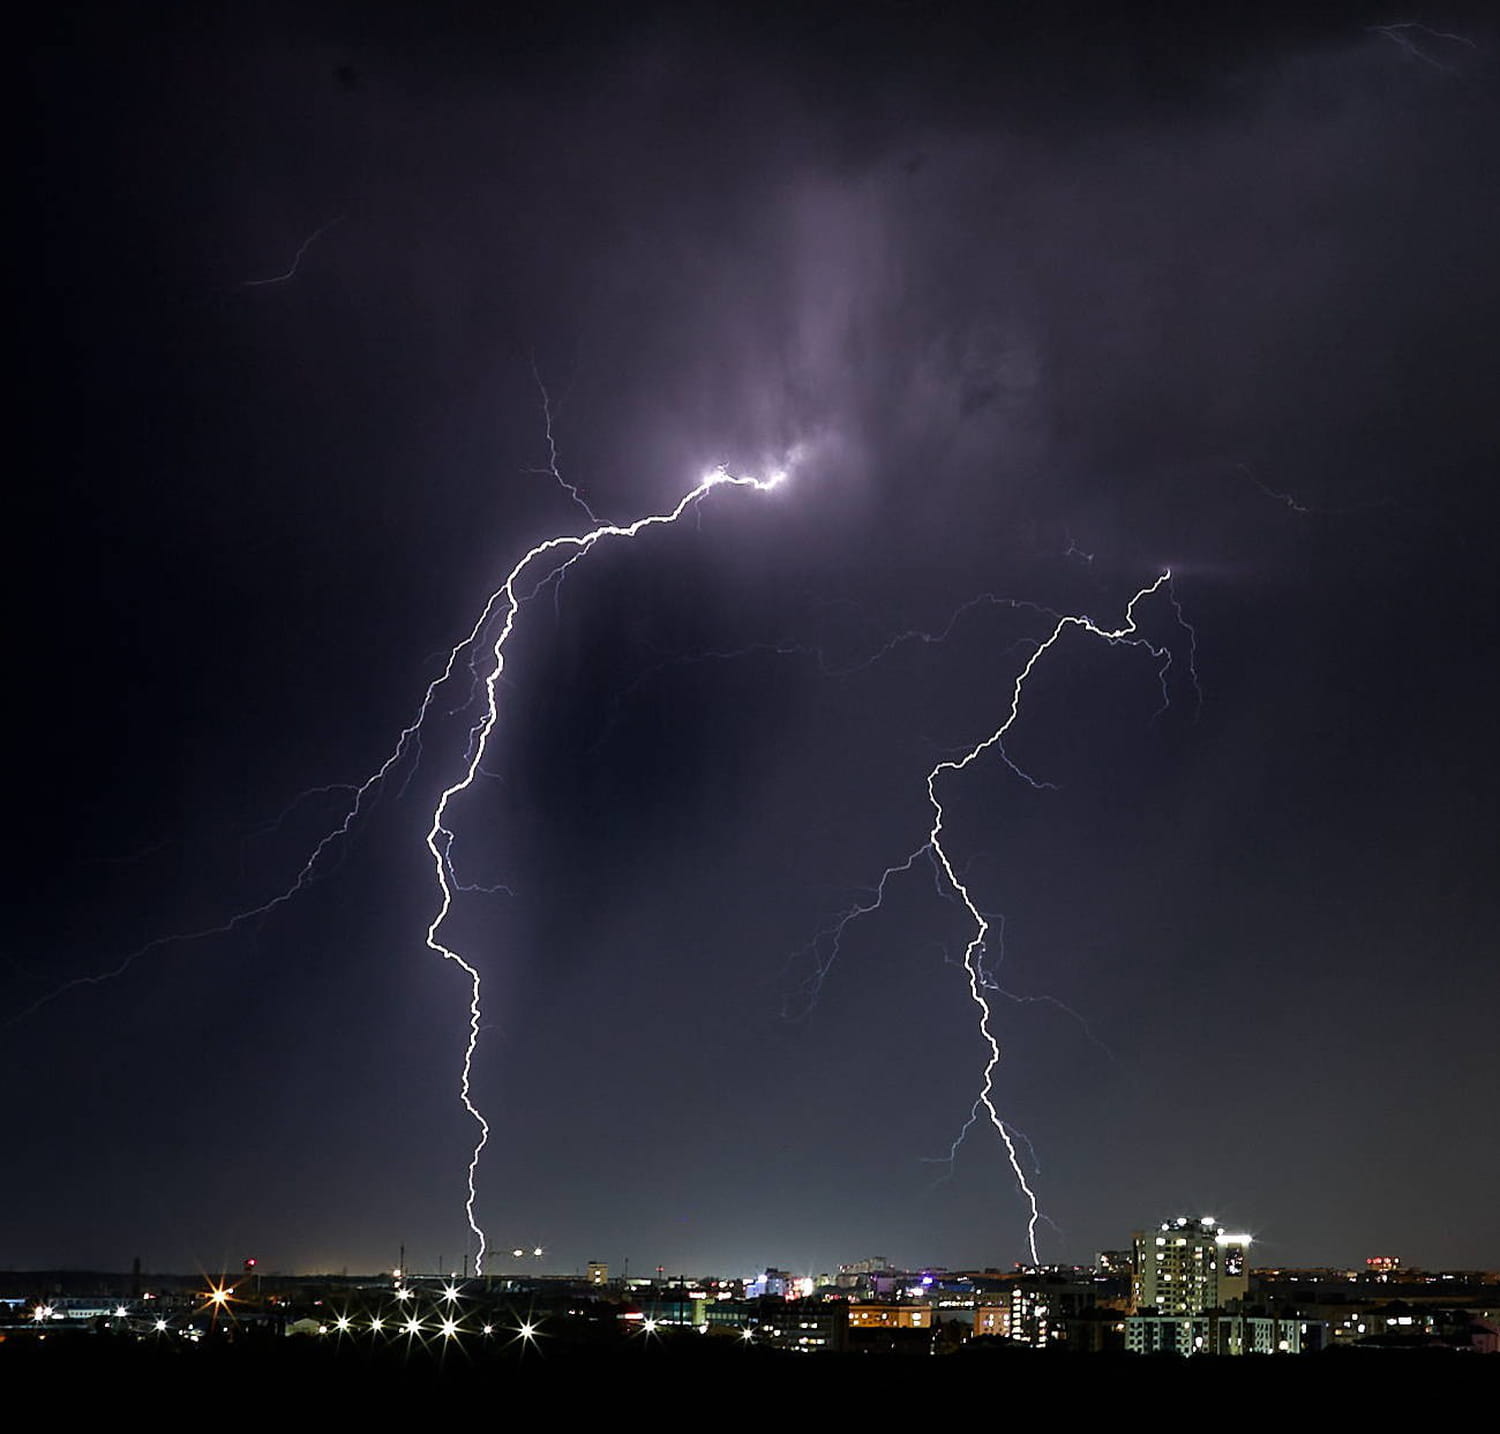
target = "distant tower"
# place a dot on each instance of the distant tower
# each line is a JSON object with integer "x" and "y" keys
{"x": 1189, "y": 1265}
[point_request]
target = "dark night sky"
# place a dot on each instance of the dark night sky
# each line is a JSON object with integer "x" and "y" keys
{"x": 1214, "y": 291}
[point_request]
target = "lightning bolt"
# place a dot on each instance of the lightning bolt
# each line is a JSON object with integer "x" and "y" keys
{"x": 1402, "y": 32}
{"x": 440, "y": 836}
{"x": 953, "y": 884}
{"x": 552, "y": 470}
{"x": 1288, "y": 500}
{"x": 973, "y": 952}
{"x": 1074, "y": 551}
{"x": 290, "y": 272}
{"x": 830, "y": 939}
{"x": 786, "y": 647}
{"x": 987, "y": 978}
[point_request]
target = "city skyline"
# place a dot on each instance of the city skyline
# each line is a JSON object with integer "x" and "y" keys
{"x": 336, "y": 317}
{"x": 1184, "y": 1290}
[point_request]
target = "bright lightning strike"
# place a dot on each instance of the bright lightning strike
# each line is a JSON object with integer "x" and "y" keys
{"x": 974, "y": 950}
{"x": 826, "y": 945}
{"x": 440, "y": 837}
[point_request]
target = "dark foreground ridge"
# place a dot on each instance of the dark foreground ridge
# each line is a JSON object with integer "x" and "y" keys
{"x": 354, "y": 1373}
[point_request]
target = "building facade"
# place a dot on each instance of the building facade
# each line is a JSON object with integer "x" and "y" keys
{"x": 1216, "y": 1333}
{"x": 1189, "y": 1265}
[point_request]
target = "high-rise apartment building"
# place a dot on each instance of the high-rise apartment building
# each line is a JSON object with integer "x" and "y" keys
{"x": 1189, "y": 1265}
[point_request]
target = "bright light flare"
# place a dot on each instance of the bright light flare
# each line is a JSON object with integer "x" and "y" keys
{"x": 718, "y": 474}
{"x": 527, "y": 1334}
{"x": 218, "y": 1299}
